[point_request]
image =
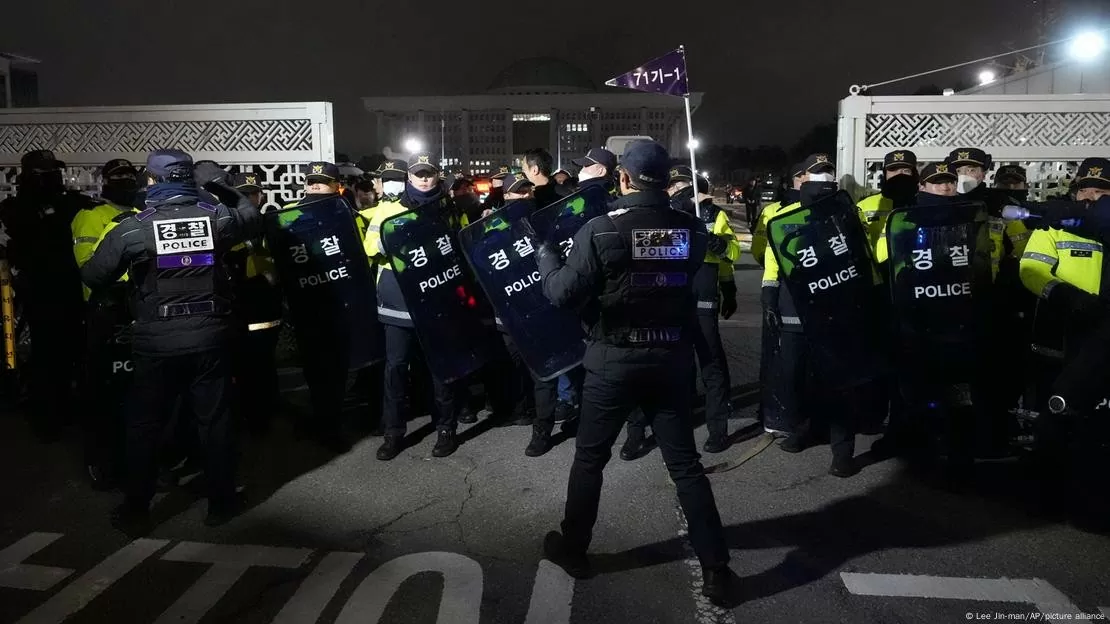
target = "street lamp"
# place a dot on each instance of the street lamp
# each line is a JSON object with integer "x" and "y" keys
{"x": 705, "y": 174}
{"x": 986, "y": 77}
{"x": 693, "y": 145}
{"x": 413, "y": 145}
{"x": 1088, "y": 46}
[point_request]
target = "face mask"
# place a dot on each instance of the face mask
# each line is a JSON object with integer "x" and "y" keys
{"x": 821, "y": 177}
{"x": 120, "y": 191}
{"x": 900, "y": 187}
{"x": 46, "y": 182}
{"x": 966, "y": 184}
{"x": 1018, "y": 194}
{"x": 393, "y": 187}
{"x": 585, "y": 175}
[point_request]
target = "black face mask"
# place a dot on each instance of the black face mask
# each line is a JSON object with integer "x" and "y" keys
{"x": 1018, "y": 194}
{"x": 122, "y": 192}
{"x": 42, "y": 183}
{"x": 813, "y": 192}
{"x": 901, "y": 189}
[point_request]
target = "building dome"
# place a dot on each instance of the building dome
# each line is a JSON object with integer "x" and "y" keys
{"x": 541, "y": 75}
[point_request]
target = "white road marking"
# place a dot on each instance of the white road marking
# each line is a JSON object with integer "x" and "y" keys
{"x": 229, "y": 563}
{"x": 1040, "y": 593}
{"x": 318, "y": 589}
{"x": 705, "y": 612}
{"x": 73, "y": 597}
{"x": 462, "y": 588}
{"x": 15, "y": 574}
{"x": 552, "y": 594}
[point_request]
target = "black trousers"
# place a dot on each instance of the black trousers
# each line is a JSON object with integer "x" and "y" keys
{"x": 325, "y": 366}
{"x": 402, "y": 351}
{"x": 203, "y": 381}
{"x": 57, "y": 348}
{"x": 795, "y": 396}
{"x": 619, "y": 380}
{"x": 108, "y": 373}
{"x": 751, "y": 211}
{"x": 713, "y": 362}
{"x": 256, "y": 376}
{"x": 545, "y": 394}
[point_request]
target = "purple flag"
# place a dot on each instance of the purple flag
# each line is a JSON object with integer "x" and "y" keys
{"x": 666, "y": 74}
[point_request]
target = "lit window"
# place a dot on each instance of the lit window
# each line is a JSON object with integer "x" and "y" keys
{"x": 531, "y": 117}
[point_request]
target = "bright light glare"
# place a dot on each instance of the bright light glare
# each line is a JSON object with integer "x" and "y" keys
{"x": 1087, "y": 46}
{"x": 705, "y": 174}
{"x": 413, "y": 145}
{"x": 986, "y": 77}
{"x": 948, "y": 92}
{"x": 693, "y": 144}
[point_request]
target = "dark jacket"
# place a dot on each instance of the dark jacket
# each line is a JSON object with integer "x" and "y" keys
{"x": 600, "y": 264}
{"x": 130, "y": 248}
{"x": 549, "y": 194}
{"x": 41, "y": 247}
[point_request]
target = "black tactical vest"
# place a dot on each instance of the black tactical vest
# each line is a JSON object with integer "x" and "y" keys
{"x": 651, "y": 303}
{"x": 185, "y": 277}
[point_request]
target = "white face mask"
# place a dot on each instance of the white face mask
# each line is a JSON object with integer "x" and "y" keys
{"x": 585, "y": 175}
{"x": 393, "y": 187}
{"x": 967, "y": 184}
{"x": 822, "y": 177}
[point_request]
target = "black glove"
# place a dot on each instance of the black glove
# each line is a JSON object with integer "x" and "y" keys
{"x": 769, "y": 297}
{"x": 718, "y": 244}
{"x": 1076, "y": 301}
{"x": 207, "y": 172}
{"x": 548, "y": 258}
{"x": 728, "y": 299}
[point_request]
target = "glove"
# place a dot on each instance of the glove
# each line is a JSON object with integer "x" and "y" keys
{"x": 1072, "y": 299}
{"x": 548, "y": 258}
{"x": 728, "y": 299}
{"x": 772, "y": 318}
{"x": 718, "y": 244}
{"x": 207, "y": 172}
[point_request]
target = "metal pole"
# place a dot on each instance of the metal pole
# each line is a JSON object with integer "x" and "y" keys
{"x": 690, "y": 146}
{"x": 442, "y": 144}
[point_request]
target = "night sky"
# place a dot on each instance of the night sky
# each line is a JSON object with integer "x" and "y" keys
{"x": 770, "y": 70}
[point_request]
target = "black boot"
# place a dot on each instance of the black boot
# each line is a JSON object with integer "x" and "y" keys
{"x": 795, "y": 443}
{"x": 633, "y": 444}
{"x": 718, "y": 585}
{"x": 844, "y": 466}
{"x": 572, "y": 561}
{"x": 467, "y": 416}
{"x": 446, "y": 444}
{"x": 541, "y": 440}
{"x": 391, "y": 447}
{"x": 717, "y": 443}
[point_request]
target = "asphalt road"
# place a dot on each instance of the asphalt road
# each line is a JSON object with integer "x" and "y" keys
{"x": 351, "y": 539}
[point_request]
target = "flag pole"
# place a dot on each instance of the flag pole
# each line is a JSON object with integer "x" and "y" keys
{"x": 690, "y": 135}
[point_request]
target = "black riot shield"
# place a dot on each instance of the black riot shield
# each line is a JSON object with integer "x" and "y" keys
{"x": 940, "y": 282}
{"x": 326, "y": 278}
{"x": 825, "y": 261}
{"x": 557, "y": 223}
{"x": 441, "y": 299}
{"x": 501, "y": 251}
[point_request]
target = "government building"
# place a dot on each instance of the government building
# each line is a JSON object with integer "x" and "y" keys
{"x": 539, "y": 102}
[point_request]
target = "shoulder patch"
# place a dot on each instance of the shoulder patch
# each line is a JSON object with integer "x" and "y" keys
{"x": 206, "y": 206}
{"x": 146, "y": 214}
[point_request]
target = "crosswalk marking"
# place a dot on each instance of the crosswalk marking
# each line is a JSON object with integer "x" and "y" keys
{"x": 15, "y": 574}
{"x": 75, "y": 596}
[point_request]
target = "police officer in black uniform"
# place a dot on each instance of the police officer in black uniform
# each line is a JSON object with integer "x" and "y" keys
{"x": 258, "y": 305}
{"x": 633, "y": 269}
{"x": 37, "y": 221}
{"x": 183, "y": 327}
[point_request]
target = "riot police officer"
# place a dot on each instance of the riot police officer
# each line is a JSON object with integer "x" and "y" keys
{"x": 38, "y": 220}
{"x": 715, "y": 287}
{"x": 496, "y": 197}
{"x": 183, "y": 327}
{"x": 898, "y": 188}
{"x": 421, "y": 189}
{"x": 107, "y": 326}
{"x": 258, "y": 305}
{"x": 640, "y": 353}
